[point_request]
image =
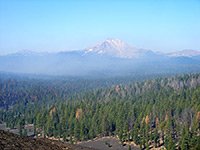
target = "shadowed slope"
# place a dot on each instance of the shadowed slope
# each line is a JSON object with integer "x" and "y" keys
{"x": 12, "y": 141}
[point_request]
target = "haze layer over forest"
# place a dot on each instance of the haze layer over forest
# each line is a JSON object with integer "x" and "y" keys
{"x": 110, "y": 57}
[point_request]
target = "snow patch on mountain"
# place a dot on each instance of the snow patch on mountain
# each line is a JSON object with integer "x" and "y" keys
{"x": 115, "y": 48}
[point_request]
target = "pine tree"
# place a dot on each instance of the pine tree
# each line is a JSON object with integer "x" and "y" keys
{"x": 122, "y": 143}
{"x": 185, "y": 145}
{"x": 147, "y": 131}
{"x": 162, "y": 131}
{"x": 104, "y": 126}
{"x": 121, "y": 135}
{"x": 64, "y": 137}
{"x": 70, "y": 140}
{"x": 39, "y": 121}
{"x": 147, "y": 144}
{"x": 135, "y": 137}
{"x": 142, "y": 134}
{"x": 21, "y": 126}
{"x": 156, "y": 138}
{"x": 171, "y": 144}
{"x": 129, "y": 147}
{"x": 183, "y": 132}
{"x": 76, "y": 130}
{"x": 132, "y": 134}
{"x": 25, "y": 133}
{"x": 55, "y": 133}
{"x": 197, "y": 144}
{"x": 128, "y": 137}
{"x": 82, "y": 131}
{"x": 125, "y": 131}
{"x": 91, "y": 133}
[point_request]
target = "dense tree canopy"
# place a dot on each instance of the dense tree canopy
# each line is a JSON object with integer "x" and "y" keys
{"x": 162, "y": 111}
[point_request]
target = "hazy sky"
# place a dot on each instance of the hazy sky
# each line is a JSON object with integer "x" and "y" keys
{"x": 47, "y": 25}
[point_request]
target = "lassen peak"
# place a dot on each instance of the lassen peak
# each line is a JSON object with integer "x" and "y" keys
{"x": 113, "y": 47}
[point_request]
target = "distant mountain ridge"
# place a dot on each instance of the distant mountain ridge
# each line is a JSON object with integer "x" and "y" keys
{"x": 185, "y": 53}
{"x": 27, "y": 53}
{"x": 120, "y": 49}
{"x": 116, "y": 48}
{"x": 111, "y": 56}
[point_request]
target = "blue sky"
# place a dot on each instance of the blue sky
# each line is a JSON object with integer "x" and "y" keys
{"x": 47, "y": 25}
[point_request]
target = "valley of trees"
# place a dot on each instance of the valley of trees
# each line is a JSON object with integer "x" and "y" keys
{"x": 17, "y": 89}
{"x": 152, "y": 113}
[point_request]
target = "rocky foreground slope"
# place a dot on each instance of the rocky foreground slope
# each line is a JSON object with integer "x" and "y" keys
{"x": 10, "y": 141}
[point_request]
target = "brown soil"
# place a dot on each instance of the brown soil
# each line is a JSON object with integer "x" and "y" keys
{"x": 10, "y": 141}
{"x": 114, "y": 144}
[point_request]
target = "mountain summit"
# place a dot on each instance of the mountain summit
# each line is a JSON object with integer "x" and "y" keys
{"x": 115, "y": 48}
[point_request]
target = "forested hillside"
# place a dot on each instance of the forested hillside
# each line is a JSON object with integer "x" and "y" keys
{"x": 16, "y": 89}
{"x": 159, "y": 112}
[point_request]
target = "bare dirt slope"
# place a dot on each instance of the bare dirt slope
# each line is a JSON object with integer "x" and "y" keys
{"x": 114, "y": 144}
{"x": 10, "y": 141}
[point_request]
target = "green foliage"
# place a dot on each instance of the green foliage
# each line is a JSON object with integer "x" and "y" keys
{"x": 156, "y": 138}
{"x": 133, "y": 111}
{"x": 170, "y": 144}
{"x": 129, "y": 147}
{"x": 108, "y": 144}
{"x": 21, "y": 125}
{"x": 197, "y": 144}
{"x": 25, "y": 133}
{"x": 64, "y": 137}
{"x": 185, "y": 144}
{"x": 70, "y": 140}
{"x": 135, "y": 137}
{"x": 122, "y": 142}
